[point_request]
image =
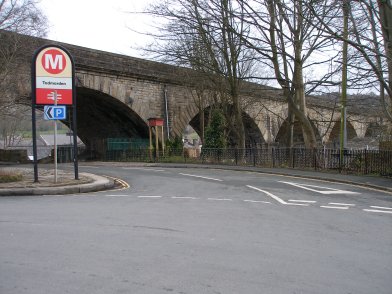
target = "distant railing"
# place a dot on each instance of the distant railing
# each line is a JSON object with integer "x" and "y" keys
{"x": 353, "y": 161}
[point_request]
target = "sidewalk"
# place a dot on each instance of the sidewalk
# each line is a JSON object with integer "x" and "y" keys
{"x": 90, "y": 182}
{"x": 66, "y": 182}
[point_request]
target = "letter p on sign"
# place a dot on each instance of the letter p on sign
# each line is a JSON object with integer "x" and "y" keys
{"x": 53, "y": 61}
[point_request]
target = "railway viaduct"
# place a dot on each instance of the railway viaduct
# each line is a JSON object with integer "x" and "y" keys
{"x": 117, "y": 94}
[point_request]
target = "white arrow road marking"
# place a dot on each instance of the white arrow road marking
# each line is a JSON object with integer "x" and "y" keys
{"x": 206, "y": 178}
{"x": 276, "y": 197}
{"x": 321, "y": 190}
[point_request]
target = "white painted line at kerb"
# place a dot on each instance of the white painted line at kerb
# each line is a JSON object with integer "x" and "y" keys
{"x": 376, "y": 210}
{"x": 202, "y": 177}
{"x": 118, "y": 195}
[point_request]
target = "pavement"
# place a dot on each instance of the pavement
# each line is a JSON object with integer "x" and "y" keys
{"x": 87, "y": 182}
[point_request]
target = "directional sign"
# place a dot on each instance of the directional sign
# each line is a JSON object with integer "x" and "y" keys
{"x": 53, "y": 73}
{"x": 55, "y": 112}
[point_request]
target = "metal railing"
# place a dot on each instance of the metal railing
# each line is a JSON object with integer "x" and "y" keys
{"x": 354, "y": 161}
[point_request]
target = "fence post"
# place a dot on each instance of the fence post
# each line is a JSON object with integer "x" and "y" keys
{"x": 366, "y": 162}
{"x": 254, "y": 156}
{"x": 315, "y": 158}
{"x": 273, "y": 157}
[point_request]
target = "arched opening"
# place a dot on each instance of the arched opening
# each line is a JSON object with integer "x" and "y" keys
{"x": 100, "y": 116}
{"x": 253, "y": 135}
{"x": 283, "y": 136}
{"x": 334, "y": 137}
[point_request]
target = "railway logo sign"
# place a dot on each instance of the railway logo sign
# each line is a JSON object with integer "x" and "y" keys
{"x": 53, "y": 73}
{"x": 53, "y": 90}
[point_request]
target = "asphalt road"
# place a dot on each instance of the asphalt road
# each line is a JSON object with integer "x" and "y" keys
{"x": 198, "y": 231}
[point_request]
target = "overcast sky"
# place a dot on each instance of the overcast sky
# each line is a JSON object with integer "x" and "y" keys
{"x": 98, "y": 24}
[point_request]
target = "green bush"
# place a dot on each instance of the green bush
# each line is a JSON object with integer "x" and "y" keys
{"x": 8, "y": 177}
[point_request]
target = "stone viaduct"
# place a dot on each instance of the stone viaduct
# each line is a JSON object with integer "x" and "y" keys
{"x": 117, "y": 94}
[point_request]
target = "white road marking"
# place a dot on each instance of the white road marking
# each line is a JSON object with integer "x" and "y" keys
{"x": 146, "y": 169}
{"x": 302, "y": 201}
{"x": 324, "y": 190}
{"x": 185, "y": 197}
{"x": 118, "y": 195}
{"x": 269, "y": 194}
{"x": 334, "y": 207}
{"x": 376, "y": 210}
{"x": 257, "y": 201}
{"x": 149, "y": 196}
{"x": 219, "y": 199}
{"x": 380, "y": 207}
{"x": 202, "y": 177}
{"x": 342, "y": 204}
{"x": 276, "y": 197}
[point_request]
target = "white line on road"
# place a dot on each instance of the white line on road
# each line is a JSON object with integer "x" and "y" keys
{"x": 118, "y": 195}
{"x": 324, "y": 190}
{"x": 146, "y": 169}
{"x": 269, "y": 194}
{"x": 219, "y": 199}
{"x": 302, "y": 201}
{"x": 342, "y": 204}
{"x": 376, "y": 210}
{"x": 149, "y": 196}
{"x": 257, "y": 201}
{"x": 206, "y": 178}
{"x": 185, "y": 197}
{"x": 334, "y": 207}
{"x": 380, "y": 207}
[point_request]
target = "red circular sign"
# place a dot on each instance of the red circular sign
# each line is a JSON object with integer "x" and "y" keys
{"x": 53, "y": 61}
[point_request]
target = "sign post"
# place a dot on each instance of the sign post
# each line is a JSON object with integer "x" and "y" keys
{"x": 53, "y": 86}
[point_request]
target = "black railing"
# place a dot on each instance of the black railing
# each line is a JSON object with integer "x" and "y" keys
{"x": 354, "y": 161}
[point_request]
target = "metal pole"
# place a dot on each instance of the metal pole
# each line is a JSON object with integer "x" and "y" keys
{"x": 55, "y": 140}
{"x": 166, "y": 112}
{"x": 34, "y": 129}
{"x": 343, "y": 129}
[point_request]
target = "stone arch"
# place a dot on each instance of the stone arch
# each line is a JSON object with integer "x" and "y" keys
{"x": 283, "y": 133}
{"x": 334, "y": 135}
{"x": 253, "y": 134}
{"x": 101, "y": 116}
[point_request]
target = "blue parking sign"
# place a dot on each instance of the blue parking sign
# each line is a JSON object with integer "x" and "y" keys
{"x": 55, "y": 112}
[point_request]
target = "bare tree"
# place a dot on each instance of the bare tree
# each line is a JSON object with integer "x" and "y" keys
{"x": 23, "y": 17}
{"x": 370, "y": 43}
{"x": 17, "y": 18}
{"x": 300, "y": 56}
{"x": 199, "y": 34}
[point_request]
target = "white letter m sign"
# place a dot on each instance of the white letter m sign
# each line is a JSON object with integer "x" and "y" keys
{"x": 53, "y": 63}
